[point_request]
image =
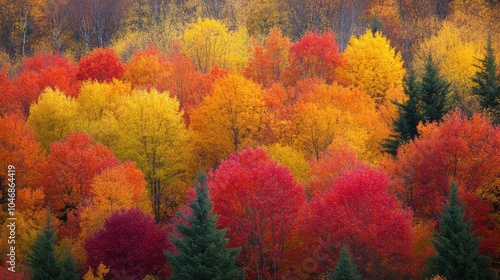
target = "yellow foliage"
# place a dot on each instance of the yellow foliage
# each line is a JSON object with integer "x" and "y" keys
{"x": 52, "y": 116}
{"x": 209, "y": 43}
{"x": 101, "y": 272}
{"x": 153, "y": 134}
{"x": 291, "y": 158}
{"x": 334, "y": 114}
{"x": 373, "y": 66}
{"x": 97, "y": 106}
{"x": 229, "y": 119}
{"x": 454, "y": 56}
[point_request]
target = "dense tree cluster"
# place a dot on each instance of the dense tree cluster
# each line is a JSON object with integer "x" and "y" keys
{"x": 334, "y": 139}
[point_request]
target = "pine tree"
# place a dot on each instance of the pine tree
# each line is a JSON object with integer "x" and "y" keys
{"x": 405, "y": 126}
{"x": 434, "y": 93}
{"x": 42, "y": 257}
{"x": 458, "y": 257}
{"x": 345, "y": 268}
{"x": 487, "y": 83}
{"x": 68, "y": 268}
{"x": 203, "y": 248}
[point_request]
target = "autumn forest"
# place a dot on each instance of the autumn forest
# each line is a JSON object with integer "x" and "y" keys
{"x": 249, "y": 139}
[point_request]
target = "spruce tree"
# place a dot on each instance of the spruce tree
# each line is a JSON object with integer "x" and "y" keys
{"x": 487, "y": 83}
{"x": 68, "y": 268}
{"x": 405, "y": 126}
{"x": 345, "y": 268}
{"x": 203, "y": 247}
{"x": 42, "y": 257}
{"x": 434, "y": 93}
{"x": 457, "y": 249}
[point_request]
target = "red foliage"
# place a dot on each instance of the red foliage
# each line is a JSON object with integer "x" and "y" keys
{"x": 131, "y": 244}
{"x": 334, "y": 162}
{"x": 460, "y": 150}
{"x": 19, "y": 148}
{"x": 72, "y": 164}
{"x": 314, "y": 56}
{"x": 360, "y": 213}
{"x": 41, "y": 71}
{"x": 184, "y": 82}
{"x": 257, "y": 201}
{"x": 8, "y": 103}
{"x": 102, "y": 65}
{"x": 269, "y": 60}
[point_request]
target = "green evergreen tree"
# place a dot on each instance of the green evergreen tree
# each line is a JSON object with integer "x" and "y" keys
{"x": 42, "y": 257}
{"x": 405, "y": 126}
{"x": 487, "y": 83}
{"x": 434, "y": 93}
{"x": 457, "y": 249}
{"x": 375, "y": 25}
{"x": 203, "y": 247}
{"x": 69, "y": 271}
{"x": 345, "y": 268}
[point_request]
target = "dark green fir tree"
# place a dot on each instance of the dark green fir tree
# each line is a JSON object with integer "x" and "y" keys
{"x": 457, "y": 248}
{"x": 345, "y": 268}
{"x": 69, "y": 271}
{"x": 434, "y": 93}
{"x": 487, "y": 83}
{"x": 405, "y": 126}
{"x": 375, "y": 25}
{"x": 42, "y": 257}
{"x": 203, "y": 252}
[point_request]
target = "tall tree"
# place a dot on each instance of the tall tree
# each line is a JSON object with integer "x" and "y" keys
{"x": 345, "y": 268}
{"x": 458, "y": 256}
{"x": 68, "y": 268}
{"x": 203, "y": 247}
{"x": 434, "y": 92}
{"x": 405, "y": 126}
{"x": 487, "y": 82}
{"x": 257, "y": 201}
{"x": 42, "y": 258}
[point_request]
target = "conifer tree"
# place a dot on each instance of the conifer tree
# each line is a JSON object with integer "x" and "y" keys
{"x": 434, "y": 93}
{"x": 457, "y": 249}
{"x": 405, "y": 126}
{"x": 487, "y": 82}
{"x": 68, "y": 268}
{"x": 345, "y": 268}
{"x": 203, "y": 247}
{"x": 42, "y": 258}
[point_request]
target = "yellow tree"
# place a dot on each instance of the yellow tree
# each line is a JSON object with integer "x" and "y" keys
{"x": 373, "y": 66}
{"x": 455, "y": 56}
{"x": 153, "y": 135}
{"x": 97, "y": 108}
{"x": 52, "y": 116}
{"x": 291, "y": 158}
{"x": 209, "y": 43}
{"x": 332, "y": 114}
{"x": 229, "y": 119}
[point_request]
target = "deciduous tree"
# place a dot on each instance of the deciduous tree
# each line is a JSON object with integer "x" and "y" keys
{"x": 316, "y": 55}
{"x": 459, "y": 149}
{"x": 375, "y": 67}
{"x": 358, "y": 211}
{"x": 52, "y": 116}
{"x": 152, "y": 134}
{"x": 229, "y": 119}
{"x": 127, "y": 253}
{"x": 101, "y": 65}
{"x": 257, "y": 201}
{"x": 72, "y": 165}
{"x": 209, "y": 43}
